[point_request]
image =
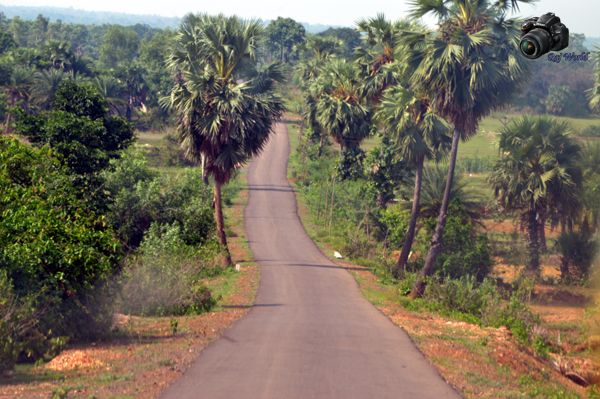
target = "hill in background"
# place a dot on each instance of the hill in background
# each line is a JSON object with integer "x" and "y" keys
{"x": 72, "y": 15}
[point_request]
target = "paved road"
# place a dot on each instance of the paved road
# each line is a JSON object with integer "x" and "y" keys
{"x": 311, "y": 334}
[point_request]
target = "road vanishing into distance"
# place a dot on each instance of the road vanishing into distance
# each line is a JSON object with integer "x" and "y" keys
{"x": 310, "y": 334}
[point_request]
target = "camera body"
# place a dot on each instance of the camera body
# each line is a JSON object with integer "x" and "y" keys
{"x": 539, "y": 35}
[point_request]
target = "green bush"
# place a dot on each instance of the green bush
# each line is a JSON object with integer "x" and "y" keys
{"x": 164, "y": 278}
{"x": 465, "y": 251}
{"x": 56, "y": 252}
{"x": 484, "y": 303}
{"x": 577, "y": 251}
{"x": 394, "y": 220}
{"x": 17, "y": 321}
{"x": 591, "y": 131}
{"x": 141, "y": 197}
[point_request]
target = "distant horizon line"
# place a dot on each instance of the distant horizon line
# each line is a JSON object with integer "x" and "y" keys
{"x": 133, "y": 14}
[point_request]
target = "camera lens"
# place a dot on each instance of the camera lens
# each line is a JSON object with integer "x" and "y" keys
{"x": 535, "y": 43}
{"x": 528, "y": 47}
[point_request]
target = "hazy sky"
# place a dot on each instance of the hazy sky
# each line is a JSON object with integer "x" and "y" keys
{"x": 580, "y": 16}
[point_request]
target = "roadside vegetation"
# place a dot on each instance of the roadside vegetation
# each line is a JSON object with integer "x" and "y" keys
{"x": 474, "y": 210}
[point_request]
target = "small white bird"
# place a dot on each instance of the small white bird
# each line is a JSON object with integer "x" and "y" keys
{"x": 238, "y": 267}
{"x": 337, "y": 255}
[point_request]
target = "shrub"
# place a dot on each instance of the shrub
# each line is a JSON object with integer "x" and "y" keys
{"x": 465, "y": 251}
{"x": 394, "y": 220}
{"x": 591, "y": 131}
{"x": 164, "y": 278}
{"x": 54, "y": 250}
{"x": 141, "y": 198}
{"x": 17, "y": 320}
{"x": 578, "y": 250}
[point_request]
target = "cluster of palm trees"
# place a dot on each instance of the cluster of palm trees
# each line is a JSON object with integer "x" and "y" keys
{"x": 428, "y": 89}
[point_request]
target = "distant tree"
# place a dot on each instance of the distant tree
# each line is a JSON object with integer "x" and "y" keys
{"x": 594, "y": 92}
{"x": 282, "y": 35}
{"x": 17, "y": 89}
{"x": 6, "y": 42}
{"x": 342, "y": 112}
{"x": 45, "y": 85}
{"x": 120, "y": 46}
{"x": 224, "y": 117}
{"x": 349, "y": 37}
{"x": 80, "y": 130}
{"x": 40, "y": 30}
{"x": 538, "y": 162}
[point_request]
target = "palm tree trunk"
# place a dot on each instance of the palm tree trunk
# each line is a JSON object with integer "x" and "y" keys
{"x": 203, "y": 169}
{"x": 221, "y": 223}
{"x": 436, "y": 240}
{"x": 414, "y": 214}
{"x": 533, "y": 265}
{"x": 542, "y": 234}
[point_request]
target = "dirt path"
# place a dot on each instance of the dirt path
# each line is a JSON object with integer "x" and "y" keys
{"x": 310, "y": 334}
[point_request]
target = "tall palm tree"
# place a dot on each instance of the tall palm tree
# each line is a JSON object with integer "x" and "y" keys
{"x": 468, "y": 67}
{"x": 223, "y": 115}
{"x": 317, "y": 51}
{"x": 538, "y": 159}
{"x": 420, "y": 135}
{"x": 343, "y": 113}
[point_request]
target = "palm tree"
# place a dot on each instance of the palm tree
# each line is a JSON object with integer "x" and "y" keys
{"x": 342, "y": 112}
{"x": 223, "y": 115}
{"x": 112, "y": 90}
{"x": 468, "y": 67}
{"x": 45, "y": 84}
{"x": 17, "y": 90}
{"x": 538, "y": 159}
{"x": 317, "y": 51}
{"x": 381, "y": 58}
{"x": 420, "y": 135}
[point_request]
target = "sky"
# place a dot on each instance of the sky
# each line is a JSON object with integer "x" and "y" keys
{"x": 580, "y": 16}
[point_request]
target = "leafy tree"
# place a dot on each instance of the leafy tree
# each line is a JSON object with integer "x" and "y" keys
{"x": 560, "y": 101}
{"x": 282, "y": 35}
{"x": 350, "y": 39}
{"x": 420, "y": 135}
{"x": 45, "y": 85}
{"x": 53, "y": 247}
{"x": 120, "y": 46}
{"x": 538, "y": 160}
{"x": 17, "y": 89}
{"x": 223, "y": 116}
{"x": 468, "y": 67}
{"x": 594, "y": 92}
{"x": 6, "y": 42}
{"x": 79, "y": 130}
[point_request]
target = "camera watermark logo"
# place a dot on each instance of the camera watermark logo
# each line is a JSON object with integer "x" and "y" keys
{"x": 569, "y": 57}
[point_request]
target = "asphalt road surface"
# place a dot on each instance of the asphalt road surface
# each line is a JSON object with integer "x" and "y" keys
{"x": 310, "y": 334}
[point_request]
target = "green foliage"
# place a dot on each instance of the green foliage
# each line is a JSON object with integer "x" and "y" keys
{"x": 465, "y": 251}
{"x": 54, "y": 249}
{"x": 17, "y": 320}
{"x": 165, "y": 277}
{"x": 283, "y": 35}
{"x": 79, "y": 130}
{"x": 577, "y": 249}
{"x": 386, "y": 171}
{"x": 561, "y": 101}
{"x": 394, "y": 220}
{"x": 120, "y": 45}
{"x": 141, "y": 198}
{"x": 591, "y": 131}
